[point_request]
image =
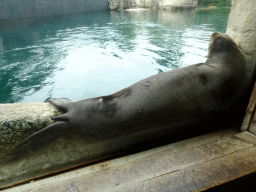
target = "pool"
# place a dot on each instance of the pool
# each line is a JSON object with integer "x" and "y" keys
{"x": 91, "y": 54}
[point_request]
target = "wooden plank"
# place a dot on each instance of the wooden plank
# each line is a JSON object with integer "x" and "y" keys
{"x": 252, "y": 127}
{"x": 247, "y": 136}
{"x": 194, "y": 164}
{"x": 205, "y": 175}
{"x": 249, "y": 111}
{"x": 249, "y": 122}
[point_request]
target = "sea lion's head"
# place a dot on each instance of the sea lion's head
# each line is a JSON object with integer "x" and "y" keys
{"x": 223, "y": 49}
{"x": 221, "y": 43}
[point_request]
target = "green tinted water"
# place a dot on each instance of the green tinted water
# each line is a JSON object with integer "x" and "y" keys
{"x": 97, "y": 53}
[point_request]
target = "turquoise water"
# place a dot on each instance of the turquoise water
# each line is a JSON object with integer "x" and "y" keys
{"x": 97, "y": 53}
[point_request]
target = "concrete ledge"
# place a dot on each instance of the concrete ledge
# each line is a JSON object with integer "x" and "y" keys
{"x": 18, "y": 121}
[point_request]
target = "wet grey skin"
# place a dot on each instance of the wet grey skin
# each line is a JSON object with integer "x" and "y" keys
{"x": 166, "y": 101}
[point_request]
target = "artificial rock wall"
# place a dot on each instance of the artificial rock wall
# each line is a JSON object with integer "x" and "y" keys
{"x": 160, "y": 4}
{"x": 16, "y": 9}
{"x": 242, "y": 28}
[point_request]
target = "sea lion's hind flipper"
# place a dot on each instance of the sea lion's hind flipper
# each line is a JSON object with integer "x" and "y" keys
{"x": 61, "y": 104}
{"x": 39, "y": 140}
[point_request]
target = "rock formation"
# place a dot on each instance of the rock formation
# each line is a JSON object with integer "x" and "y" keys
{"x": 160, "y": 4}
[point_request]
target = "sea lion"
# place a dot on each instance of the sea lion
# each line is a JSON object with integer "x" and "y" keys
{"x": 167, "y": 101}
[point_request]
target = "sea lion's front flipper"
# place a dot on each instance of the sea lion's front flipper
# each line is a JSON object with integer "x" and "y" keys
{"x": 39, "y": 139}
{"x": 61, "y": 104}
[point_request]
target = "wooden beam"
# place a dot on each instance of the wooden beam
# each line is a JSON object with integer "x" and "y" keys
{"x": 249, "y": 111}
{"x": 246, "y": 136}
{"x": 194, "y": 164}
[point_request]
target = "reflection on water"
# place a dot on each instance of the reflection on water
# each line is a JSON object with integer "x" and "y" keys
{"x": 97, "y": 53}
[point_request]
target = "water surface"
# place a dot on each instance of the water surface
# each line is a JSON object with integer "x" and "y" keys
{"x": 97, "y": 53}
